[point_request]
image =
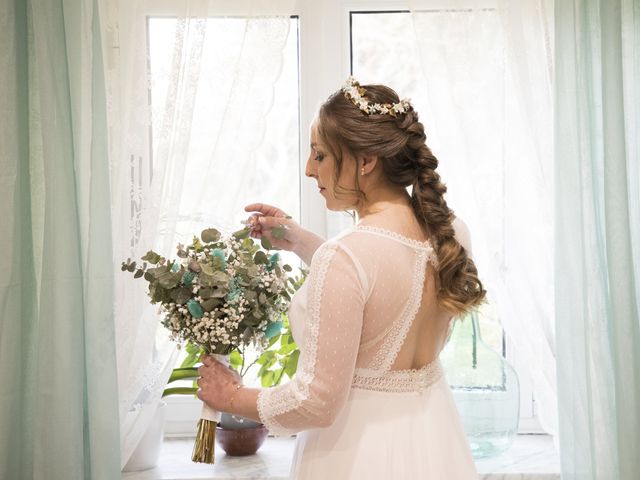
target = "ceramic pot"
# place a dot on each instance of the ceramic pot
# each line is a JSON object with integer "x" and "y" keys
{"x": 239, "y": 436}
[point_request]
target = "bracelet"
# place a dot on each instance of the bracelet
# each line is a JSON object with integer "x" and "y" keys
{"x": 233, "y": 396}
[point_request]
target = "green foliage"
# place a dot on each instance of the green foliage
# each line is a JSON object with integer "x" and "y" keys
{"x": 213, "y": 272}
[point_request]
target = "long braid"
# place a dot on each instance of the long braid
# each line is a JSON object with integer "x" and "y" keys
{"x": 399, "y": 142}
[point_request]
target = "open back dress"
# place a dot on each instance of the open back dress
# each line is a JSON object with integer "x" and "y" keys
{"x": 356, "y": 414}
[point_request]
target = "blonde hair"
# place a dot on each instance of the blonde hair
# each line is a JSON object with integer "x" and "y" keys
{"x": 399, "y": 143}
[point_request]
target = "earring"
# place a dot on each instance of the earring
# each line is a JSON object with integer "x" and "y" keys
{"x": 362, "y": 170}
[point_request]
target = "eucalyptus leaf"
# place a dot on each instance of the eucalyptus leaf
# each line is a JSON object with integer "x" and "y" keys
{"x": 207, "y": 269}
{"x": 244, "y": 233}
{"x": 266, "y": 243}
{"x": 152, "y": 257}
{"x": 210, "y": 304}
{"x": 180, "y": 294}
{"x": 210, "y": 235}
{"x": 169, "y": 280}
{"x": 138, "y": 273}
{"x": 260, "y": 258}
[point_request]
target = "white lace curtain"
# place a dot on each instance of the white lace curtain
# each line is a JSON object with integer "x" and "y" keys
{"x": 165, "y": 185}
{"x": 487, "y": 69}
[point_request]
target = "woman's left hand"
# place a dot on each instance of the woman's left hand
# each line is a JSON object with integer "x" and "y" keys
{"x": 217, "y": 383}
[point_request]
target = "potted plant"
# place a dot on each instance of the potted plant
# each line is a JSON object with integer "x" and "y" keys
{"x": 239, "y": 436}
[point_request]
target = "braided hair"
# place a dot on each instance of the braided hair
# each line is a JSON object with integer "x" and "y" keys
{"x": 399, "y": 142}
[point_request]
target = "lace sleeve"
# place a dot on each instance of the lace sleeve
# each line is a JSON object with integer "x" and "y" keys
{"x": 315, "y": 395}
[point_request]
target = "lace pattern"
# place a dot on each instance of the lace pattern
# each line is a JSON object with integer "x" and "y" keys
{"x": 273, "y": 402}
{"x": 426, "y": 246}
{"x": 413, "y": 380}
{"x": 393, "y": 342}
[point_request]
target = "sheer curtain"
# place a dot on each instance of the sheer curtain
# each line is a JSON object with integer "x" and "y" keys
{"x": 166, "y": 96}
{"x": 487, "y": 69}
{"x": 597, "y": 216}
{"x": 59, "y": 390}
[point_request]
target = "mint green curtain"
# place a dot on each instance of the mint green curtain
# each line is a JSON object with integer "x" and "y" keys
{"x": 58, "y": 386}
{"x": 597, "y": 223}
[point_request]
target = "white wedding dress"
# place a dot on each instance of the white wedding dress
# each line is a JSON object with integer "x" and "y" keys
{"x": 355, "y": 416}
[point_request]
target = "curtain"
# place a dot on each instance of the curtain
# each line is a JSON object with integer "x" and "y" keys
{"x": 597, "y": 248}
{"x": 59, "y": 389}
{"x": 192, "y": 88}
{"x": 487, "y": 70}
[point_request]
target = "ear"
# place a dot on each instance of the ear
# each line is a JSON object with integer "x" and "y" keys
{"x": 368, "y": 163}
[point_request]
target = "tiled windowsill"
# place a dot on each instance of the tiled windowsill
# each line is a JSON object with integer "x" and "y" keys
{"x": 531, "y": 457}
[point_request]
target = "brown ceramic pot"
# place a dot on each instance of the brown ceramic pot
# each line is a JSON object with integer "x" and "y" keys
{"x": 239, "y": 443}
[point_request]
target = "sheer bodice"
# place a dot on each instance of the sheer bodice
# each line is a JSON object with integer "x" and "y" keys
{"x": 369, "y": 295}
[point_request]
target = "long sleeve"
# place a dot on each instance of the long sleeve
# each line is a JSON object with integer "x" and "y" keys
{"x": 318, "y": 391}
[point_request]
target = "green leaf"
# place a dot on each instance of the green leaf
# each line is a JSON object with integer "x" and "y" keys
{"x": 180, "y": 391}
{"x": 148, "y": 276}
{"x": 273, "y": 340}
{"x": 266, "y": 243}
{"x": 195, "y": 309}
{"x": 260, "y": 258}
{"x": 287, "y": 267}
{"x": 207, "y": 269}
{"x": 152, "y": 257}
{"x": 287, "y": 348}
{"x": 268, "y": 378}
{"x": 210, "y": 235}
{"x": 183, "y": 373}
{"x": 235, "y": 359}
{"x": 244, "y": 233}
{"x": 169, "y": 280}
{"x": 292, "y": 364}
{"x": 131, "y": 267}
{"x": 210, "y": 303}
{"x": 138, "y": 274}
{"x": 180, "y": 294}
{"x": 273, "y": 329}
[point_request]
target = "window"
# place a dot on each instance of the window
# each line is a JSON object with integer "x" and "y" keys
{"x": 326, "y": 41}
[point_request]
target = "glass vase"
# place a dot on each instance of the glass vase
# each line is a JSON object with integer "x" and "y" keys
{"x": 485, "y": 387}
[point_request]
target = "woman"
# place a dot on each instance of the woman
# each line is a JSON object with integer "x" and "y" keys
{"x": 369, "y": 399}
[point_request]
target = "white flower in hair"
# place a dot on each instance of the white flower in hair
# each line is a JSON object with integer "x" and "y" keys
{"x": 354, "y": 92}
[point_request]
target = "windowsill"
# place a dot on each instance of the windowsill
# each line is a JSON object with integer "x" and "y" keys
{"x": 531, "y": 457}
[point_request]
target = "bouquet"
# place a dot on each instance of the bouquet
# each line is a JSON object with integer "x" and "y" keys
{"x": 220, "y": 294}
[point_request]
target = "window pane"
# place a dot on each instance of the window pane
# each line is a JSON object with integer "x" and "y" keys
{"x": 272, "y": 173}
{"x": 384, "y": 51}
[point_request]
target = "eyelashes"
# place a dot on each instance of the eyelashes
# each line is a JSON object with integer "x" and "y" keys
{"x": 319, "y": 157}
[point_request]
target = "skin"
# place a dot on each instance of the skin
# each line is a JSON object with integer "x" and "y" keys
{"x": 386, "y": 204}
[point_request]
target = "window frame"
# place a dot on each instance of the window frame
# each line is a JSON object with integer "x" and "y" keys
{"x": 325, "y": 60}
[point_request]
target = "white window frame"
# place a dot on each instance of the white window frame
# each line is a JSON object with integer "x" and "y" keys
{"x": 325, "y": 61}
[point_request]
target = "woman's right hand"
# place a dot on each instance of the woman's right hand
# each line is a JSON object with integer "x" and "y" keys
{"x": 265, "y": 218}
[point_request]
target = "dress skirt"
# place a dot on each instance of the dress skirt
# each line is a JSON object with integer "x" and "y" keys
{"x": 389, "y": 435}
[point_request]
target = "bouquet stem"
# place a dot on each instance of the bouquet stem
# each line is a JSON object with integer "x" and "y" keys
{"x": 204, "y": 448}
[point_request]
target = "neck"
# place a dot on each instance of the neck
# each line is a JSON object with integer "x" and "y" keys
{"x": 384, "y": 200}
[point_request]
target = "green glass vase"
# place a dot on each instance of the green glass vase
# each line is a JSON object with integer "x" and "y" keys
{"x": 485, "y": 387}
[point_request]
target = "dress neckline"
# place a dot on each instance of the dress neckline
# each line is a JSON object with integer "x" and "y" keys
{"x": 392, "y": 234}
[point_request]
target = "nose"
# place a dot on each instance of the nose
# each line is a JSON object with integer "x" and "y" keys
{"x": 308, "y": 169}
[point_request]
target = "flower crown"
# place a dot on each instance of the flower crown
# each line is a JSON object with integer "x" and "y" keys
{"x": 354, "y": 92}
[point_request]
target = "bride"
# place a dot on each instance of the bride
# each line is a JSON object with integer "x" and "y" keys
{"x": 369, "y": 399}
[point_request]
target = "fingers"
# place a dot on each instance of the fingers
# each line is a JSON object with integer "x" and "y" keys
{"x": 274, "y": 222}
{"x": 265, "y": 209}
